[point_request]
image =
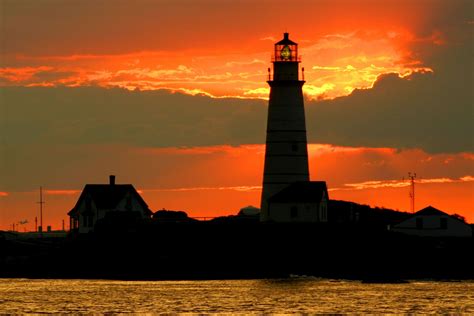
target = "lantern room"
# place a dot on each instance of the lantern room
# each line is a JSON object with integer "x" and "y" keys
{"x": 285, "y": 61}
{"x": 286, "y": 50}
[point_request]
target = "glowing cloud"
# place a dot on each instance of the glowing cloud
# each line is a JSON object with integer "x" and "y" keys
{"x": 400, "y": 183}
{"x": 62, "y": 192}
{"x": 336, "y": 64}
{"x": 237, "y": 188}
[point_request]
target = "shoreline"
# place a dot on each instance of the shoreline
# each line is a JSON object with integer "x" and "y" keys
{"x": 178, "y": 251}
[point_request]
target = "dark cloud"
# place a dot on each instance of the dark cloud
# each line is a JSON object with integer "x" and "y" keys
{"x": 51, "y": 76}
{"x": 422, "y": 111}
{"x": 58, "y": 27}
{"x": 51, "y": 133}
{"x": 433, "y": 111}
{"x": 90, "y": 115}
{"x": 415, "y": 112}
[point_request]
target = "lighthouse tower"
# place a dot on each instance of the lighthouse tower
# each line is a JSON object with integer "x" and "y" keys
{"x": 286, "y": 153}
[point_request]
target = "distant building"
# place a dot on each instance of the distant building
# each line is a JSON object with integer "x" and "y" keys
{"x": 171, "y": 216}
{"x": 431, "y": 222}
{"x": 249, "y": 211}
{"x": 304, "y": 201}
{"x": 100, "y": 200}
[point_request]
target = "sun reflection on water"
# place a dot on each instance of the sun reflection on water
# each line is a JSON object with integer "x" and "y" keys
{"x": 306, "y": 295}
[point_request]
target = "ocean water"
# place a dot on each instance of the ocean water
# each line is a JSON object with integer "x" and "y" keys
{"x": 282, "y": 296}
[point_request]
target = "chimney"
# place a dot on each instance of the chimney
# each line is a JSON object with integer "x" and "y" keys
{"x": 112, "y": 180}
{"x": 285, "y": 35}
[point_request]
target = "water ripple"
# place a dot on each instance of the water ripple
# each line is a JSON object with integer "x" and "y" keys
{"x": 280, "y": 296}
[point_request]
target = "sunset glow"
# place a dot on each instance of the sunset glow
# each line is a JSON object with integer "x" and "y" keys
{"x": 170, "y": 96}
{"x": 211, "y": 185}
{"x": 335, "y": 65}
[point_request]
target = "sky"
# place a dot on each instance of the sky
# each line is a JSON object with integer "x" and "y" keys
{"x": 171, "y": 96}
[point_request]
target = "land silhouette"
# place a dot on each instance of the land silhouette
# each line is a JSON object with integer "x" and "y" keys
{"x": 171, "y": 245}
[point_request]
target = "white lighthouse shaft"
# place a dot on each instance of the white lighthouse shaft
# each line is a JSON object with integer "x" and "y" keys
{"x": 286, "y": 153}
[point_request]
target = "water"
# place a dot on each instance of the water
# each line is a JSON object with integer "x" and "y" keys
{"x": 305, "y": 295}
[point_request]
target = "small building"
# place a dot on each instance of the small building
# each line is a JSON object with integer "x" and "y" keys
{"x": 100, "y": 200}
{"x": 304, "y": 201}
{"x": 171, "y": 216}
{"x": 431, "y": 222}
{"x": 249, "y": 211}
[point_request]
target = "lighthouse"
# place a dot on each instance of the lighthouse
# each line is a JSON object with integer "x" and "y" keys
{"x": 286, "y": 153}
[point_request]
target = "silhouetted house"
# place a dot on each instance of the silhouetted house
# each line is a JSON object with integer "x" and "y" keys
{"x": 431, "y": 222}
{"x": 304, "y": 201}
{"x": 100, "y": 200}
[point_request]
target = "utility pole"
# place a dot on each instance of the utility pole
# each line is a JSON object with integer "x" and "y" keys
{"x": 412, "y": 177}
{"x": 41, "y": 202}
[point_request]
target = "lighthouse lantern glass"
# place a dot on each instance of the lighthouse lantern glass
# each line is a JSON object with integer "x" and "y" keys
{"x": 285, "y": 53}
{"x": 286, "y": 50}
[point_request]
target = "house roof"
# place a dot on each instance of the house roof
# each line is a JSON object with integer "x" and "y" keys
{"x": 430, "y": 210}
{"x": 107, "y": 196}
{"x": 286, "y": 40}
{"x": 301, "y": 192}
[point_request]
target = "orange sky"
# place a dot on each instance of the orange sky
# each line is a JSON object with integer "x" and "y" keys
{"x": 345, "y": 44}
{"x": 334, "y": 65}
{"x": 211, "y": 164}
{"x": 214, "y": 181}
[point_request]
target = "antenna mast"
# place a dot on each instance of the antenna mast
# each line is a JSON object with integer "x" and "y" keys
{"x": 41, "y": 202}
{"x": 412, "y": 177}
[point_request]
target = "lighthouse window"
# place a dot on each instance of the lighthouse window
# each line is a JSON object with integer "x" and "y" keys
{"x": 294, "y": 212}
{"x": 419, "y": 223}
{"x": 128, "y": 205}
{"x": 443, "y": 223}
{"x": 88, "y": 204}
